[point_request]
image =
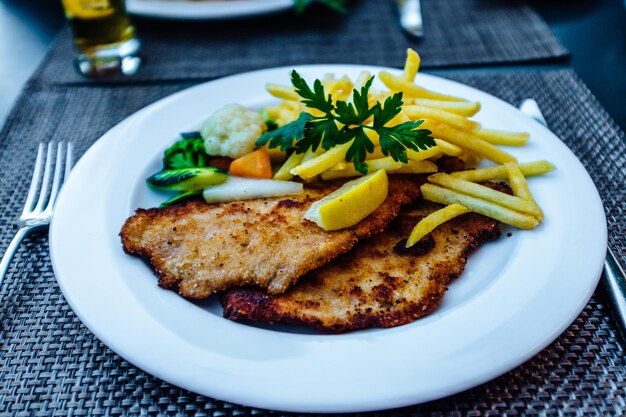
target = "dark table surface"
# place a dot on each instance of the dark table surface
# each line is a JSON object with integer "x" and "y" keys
{"x": 594, "y": 31}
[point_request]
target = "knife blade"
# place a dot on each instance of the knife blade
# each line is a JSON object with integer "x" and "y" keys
{"x": 410, "y": 12}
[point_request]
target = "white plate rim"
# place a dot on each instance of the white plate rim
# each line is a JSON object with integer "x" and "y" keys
{"x": 356, "y": 400}
{"x": 205, "y": 10}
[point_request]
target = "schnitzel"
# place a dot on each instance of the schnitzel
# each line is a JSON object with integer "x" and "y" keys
{"x": 199, "y": 249}
{"x": 379, "y": 283}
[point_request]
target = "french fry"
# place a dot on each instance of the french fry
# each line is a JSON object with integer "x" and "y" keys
{"x": 272, "y": 112}
{"x": 471, "y": 159}
{"x": 454, "y": 120}
{"x": 520, "y": 186}
{"x": 420, "y": 155}
{"x": 275, "y": 154}
{"x": 399, "y": 119}
{"x": 499, "y": 172}
{"x": 387, "y": 163}
{"x": 314, "y": 166}
{"x": 409, "y": 89}
{"x": 284, "y": 173}
{"x": 462, "y": 108}
{"x": 282, "y": 91}
{"x": 500, "y": 137}
{"x": 411, "y": 65}
{"x": 286, "y": 115}
{"x": 430, "y": 222}
{"x": 467, "y": 140}
{"x": 338, "y": 88}
{"x": 448, "y": 148}
{"x": 442, "y": 195}
{"x": 424, "y": 154}
{"x": 480, "y": 191}
{"x": 363, "y": 77}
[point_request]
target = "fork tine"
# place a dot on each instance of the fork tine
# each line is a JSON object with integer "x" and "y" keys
{"x": 68, "y": 160}
{"x": 46, "y": 179}
{"x": 56, "y": 181}
{"x": 34, "y": 183}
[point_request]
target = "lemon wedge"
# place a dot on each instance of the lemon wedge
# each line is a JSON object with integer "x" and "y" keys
{"x": 351, "y": 203}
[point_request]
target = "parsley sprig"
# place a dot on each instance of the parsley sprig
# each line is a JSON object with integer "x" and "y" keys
{"x": 311, "y": 132}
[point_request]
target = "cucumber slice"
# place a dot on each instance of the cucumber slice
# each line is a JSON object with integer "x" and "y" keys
{"x": 187, "y": 179}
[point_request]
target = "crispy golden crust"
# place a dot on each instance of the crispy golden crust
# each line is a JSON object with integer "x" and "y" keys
{"x": 377, "y": 283}
{"x": 199, "y": 249}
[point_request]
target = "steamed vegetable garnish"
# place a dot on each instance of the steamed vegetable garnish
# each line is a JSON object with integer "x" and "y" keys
{"x": 186, "y": 179}
{"x": 253, "y": 165}
{"x": 232, "y": 131}
{"x": 188, "y": 152}
{"x": 237, "y": 188}
{"x": 179, "y": 198}
{"x": 344, "y": 122}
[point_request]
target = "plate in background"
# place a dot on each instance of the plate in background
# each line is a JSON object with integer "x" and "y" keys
{"x": 205, "y": 9}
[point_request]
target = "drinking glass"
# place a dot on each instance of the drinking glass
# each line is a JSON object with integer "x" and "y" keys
{"x": 104, "y": 36}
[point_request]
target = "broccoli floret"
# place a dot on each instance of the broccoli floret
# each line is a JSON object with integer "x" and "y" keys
{"x": 186, "y": 153}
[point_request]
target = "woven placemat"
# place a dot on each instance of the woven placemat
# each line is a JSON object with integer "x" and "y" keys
{"x": 457, "y": 32}
{"x": 50, "y": 364}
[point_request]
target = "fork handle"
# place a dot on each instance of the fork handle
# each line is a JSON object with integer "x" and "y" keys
{"x": 11, "y": 249}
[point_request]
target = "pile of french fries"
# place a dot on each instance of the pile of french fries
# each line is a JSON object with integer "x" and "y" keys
{"x": 448, "y": 118}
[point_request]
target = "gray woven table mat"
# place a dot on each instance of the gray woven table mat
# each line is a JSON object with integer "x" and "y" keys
{"x": 50, "y": 364}
{"x": 458, "y": 32}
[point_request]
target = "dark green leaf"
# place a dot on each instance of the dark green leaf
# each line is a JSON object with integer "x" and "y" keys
{"x": 360, "y": 100}
{"x": 394, "y": 140}
{"x": 357, "y": 152}
{"x": 346, "y": 113}
{"x": 316, "y": 98}
{"x": 390, "y": 109}
{"x": 319, "y": 131}
{"x": 358, "y": 111}
{"x": 285, "y": 136}
{"x": 271, "y": 125}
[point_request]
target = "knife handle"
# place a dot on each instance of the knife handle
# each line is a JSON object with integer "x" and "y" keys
{"x": 614, "y": 283}
{"x": 410, "y": 12}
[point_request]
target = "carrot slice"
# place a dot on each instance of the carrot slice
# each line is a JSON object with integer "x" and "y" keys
{"x": 253, "y": 165}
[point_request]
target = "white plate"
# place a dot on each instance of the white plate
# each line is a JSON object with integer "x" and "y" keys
{"x": 515, "y": 297}
{"x": 227, "y": 9}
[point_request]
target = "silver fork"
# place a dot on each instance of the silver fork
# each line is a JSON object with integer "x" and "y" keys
{"x": 37, "y": 214}
{"x": 614, "y": 277}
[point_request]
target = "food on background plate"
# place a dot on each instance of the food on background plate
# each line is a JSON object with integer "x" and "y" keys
{"x": 291, "y": 187}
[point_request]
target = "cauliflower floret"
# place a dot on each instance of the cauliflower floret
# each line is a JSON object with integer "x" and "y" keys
{"x": 232, "y": 131}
